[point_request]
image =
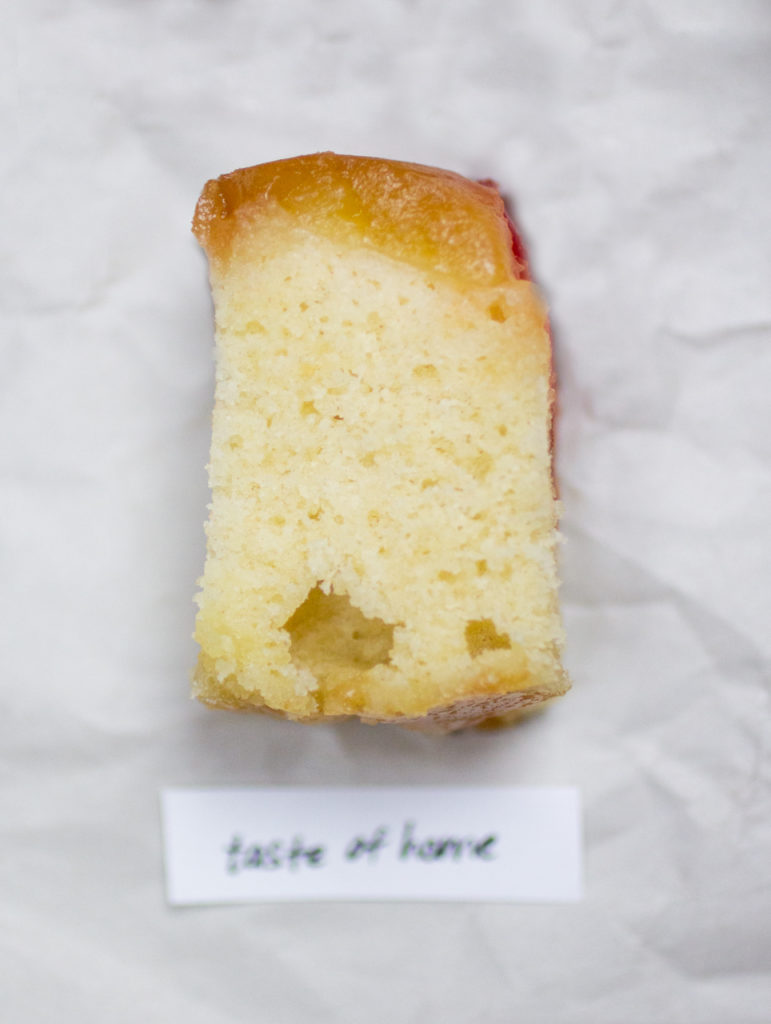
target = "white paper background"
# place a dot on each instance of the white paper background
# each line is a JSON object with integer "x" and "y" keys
{"x": 634, "y": 139}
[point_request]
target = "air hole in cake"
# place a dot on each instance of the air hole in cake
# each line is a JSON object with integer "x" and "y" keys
{"x": 329, "y": 634}
{"x": 481, "y": 636}
{"x": 480, "y": 465}
{"x": 426, "y": 370}
{"x": 496, "y": 313}
{"x": 253, "y": 327}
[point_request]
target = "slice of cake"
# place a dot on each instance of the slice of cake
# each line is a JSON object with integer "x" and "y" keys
{"x": 383, "y": 526}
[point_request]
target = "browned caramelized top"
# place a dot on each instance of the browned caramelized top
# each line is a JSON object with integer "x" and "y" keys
{"x": 430, "y": 218}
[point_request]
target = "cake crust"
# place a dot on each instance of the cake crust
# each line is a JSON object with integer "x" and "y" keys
{"x": 435, "y": 219}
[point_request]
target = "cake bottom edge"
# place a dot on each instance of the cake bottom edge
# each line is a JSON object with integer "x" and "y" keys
{"x": 484, "y": 711}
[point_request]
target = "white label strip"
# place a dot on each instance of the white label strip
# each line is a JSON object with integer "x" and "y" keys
{"x": 244, "y": 844}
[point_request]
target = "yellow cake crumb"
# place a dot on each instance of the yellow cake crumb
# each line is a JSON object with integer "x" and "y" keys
{"x": 382, "y": 533}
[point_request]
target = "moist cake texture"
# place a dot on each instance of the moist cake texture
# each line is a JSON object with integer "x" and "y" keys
{"x": 381, "y": 539}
